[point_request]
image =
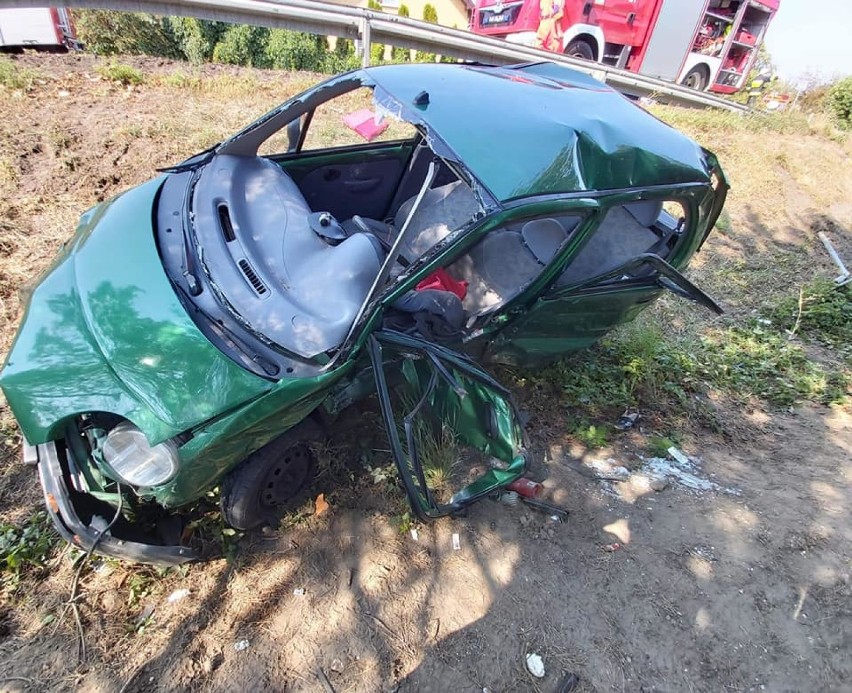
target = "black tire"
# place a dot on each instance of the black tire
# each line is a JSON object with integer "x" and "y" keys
{"x": 697, "y": 78}
{"x": 267, "y": 482}
{"x": 578, "y": 48}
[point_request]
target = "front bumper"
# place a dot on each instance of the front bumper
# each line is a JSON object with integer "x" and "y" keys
{"x": 74, "y": 530}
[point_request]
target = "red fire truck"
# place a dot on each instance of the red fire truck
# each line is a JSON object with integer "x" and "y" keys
{"x": 37, "y": 27}
{"x": 704, "y": 44}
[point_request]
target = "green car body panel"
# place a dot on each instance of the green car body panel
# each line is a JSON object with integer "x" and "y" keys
{"x": 577, "y": 134}
{"x": 94, "y": 338}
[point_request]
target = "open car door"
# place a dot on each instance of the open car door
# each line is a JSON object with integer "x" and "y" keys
{"x": 577, "y": 315}
{"x": 454, "y": 432}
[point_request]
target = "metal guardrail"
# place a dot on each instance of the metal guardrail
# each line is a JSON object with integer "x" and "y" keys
{"x": 370, "y": 26}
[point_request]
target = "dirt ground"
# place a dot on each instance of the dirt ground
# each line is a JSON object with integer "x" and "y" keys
{"x": 745, "y": 588}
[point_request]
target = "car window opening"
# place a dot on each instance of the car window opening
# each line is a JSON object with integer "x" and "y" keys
{"x": 625, "y": 232}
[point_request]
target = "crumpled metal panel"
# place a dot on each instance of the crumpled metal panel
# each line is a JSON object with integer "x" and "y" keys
{"x": 541, "y": 128}
{"x": 105, "y": 331}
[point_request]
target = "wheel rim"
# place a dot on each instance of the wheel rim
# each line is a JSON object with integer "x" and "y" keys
{"x": 693, "y": 81}
{"x": 287, "y": 476}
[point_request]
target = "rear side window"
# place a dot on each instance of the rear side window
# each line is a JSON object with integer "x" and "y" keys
{"x": 628, "y": 230}
{"x": 507, "y": 260}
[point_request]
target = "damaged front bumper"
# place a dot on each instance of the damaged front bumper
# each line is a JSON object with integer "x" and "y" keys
{"x": 84, "y": 536}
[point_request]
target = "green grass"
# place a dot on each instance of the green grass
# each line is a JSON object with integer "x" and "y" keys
{"x": 640, "y": 365}
{"x": 121, "y": 73}
{"x": 822, "y": 312}
{"x": 15, "y": 77}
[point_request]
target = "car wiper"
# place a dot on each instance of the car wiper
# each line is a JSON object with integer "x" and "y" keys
{"x": 190, "y": 272}
{"x": 193, "y": 162}
{"x": 667, "y": 277}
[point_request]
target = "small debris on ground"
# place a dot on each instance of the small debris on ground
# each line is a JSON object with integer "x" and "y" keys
{"x": 535, "y": 665}
{"x": 627, "y": 420}
{"x": 299, "y": 592}
{"x": 456, "y": 542}
{"x": 177, "y": 595}
{"x": 320, "y": 504}
{"x": 336, "y": 666}
{"x": 609, "y": 470}
{"x": 241, "y": 645}
{"x": 610, "y": 548}
{"x": 414, "y": 534}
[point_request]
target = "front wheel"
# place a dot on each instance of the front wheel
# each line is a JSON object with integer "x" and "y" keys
{"x": 580, "y": 49}
{"x": 696, "y": 78}
{"x": 269, "y": 480}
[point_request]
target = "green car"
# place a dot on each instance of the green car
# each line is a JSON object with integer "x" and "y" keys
{"x": 384, "y": 231}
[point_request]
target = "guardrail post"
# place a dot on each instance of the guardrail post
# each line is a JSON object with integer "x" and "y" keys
{"x": 365, "y": 42}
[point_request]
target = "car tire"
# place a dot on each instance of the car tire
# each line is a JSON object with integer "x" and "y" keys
{"x": 697, "y": 78}
{"x": 271, "y": 479}
{"x": 579, "y": 49}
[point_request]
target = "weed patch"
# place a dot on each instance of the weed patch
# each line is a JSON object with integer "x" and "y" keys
{"x": 14, "y": 77}
{"x": 123, "y": 74}
{"x": 821, "y": 312}
{"x": 25, "y": 547}
{"x": 641, "y": 366}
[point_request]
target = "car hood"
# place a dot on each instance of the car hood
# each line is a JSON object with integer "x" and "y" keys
{"x": 105, "y": 331}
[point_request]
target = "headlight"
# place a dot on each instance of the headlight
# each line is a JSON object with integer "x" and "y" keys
{"x": 128, "y": 453}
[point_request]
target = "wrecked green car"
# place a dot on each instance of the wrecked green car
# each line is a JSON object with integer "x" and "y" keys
{"x": 382, "y": 232}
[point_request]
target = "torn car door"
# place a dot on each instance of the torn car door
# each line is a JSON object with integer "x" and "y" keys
{"x": 454, "y": 432}
{"x": 576, "y": 316}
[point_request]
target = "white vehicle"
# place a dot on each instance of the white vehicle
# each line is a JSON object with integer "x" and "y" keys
{"x": 37, "y": 27}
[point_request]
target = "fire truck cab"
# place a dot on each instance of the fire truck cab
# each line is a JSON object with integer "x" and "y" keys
{"x": 701, "y": 43}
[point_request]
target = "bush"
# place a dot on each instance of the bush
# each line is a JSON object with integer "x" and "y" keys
{"x": 242, "y": 44}
{"x": 106, "y": 32}
{"x": 839, "y": 102}
{"x": 294, "y": 50}
{"x": 196, "y": 38}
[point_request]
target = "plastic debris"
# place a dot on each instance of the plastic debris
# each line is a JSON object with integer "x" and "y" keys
{"x": 336, "y": 666}
{"x": 456, "y": 542}
{"x": 414, "y": 534}
{"x": 610, "y": 548}
{"x": 320, "y": 505}
{"x": 678, "y": 455}
{"x": 241, "y": 645}
{"x": 627, "y": 420}
{"x": 177, "y": 595}
{"x": 299, "y": 592}
{"x": 535, "y": 665}
{"x": 609, "y": 470}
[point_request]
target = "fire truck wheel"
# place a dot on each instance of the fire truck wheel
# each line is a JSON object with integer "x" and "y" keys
{"x": 696, "y": 78}
{"x": 580, "y": 49}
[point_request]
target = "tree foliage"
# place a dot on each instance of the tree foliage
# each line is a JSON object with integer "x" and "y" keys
{"x": 839, "y": 102}
{"x": 106, "y": 32}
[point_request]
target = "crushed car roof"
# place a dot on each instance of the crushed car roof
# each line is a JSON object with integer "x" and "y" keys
{"x": 541, "y": 128}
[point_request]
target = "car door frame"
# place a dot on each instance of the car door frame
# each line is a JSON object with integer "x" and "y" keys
{"x": 443, "y": 362}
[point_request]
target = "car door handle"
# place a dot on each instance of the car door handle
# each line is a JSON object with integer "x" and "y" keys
{"x": 362, "y": 185}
